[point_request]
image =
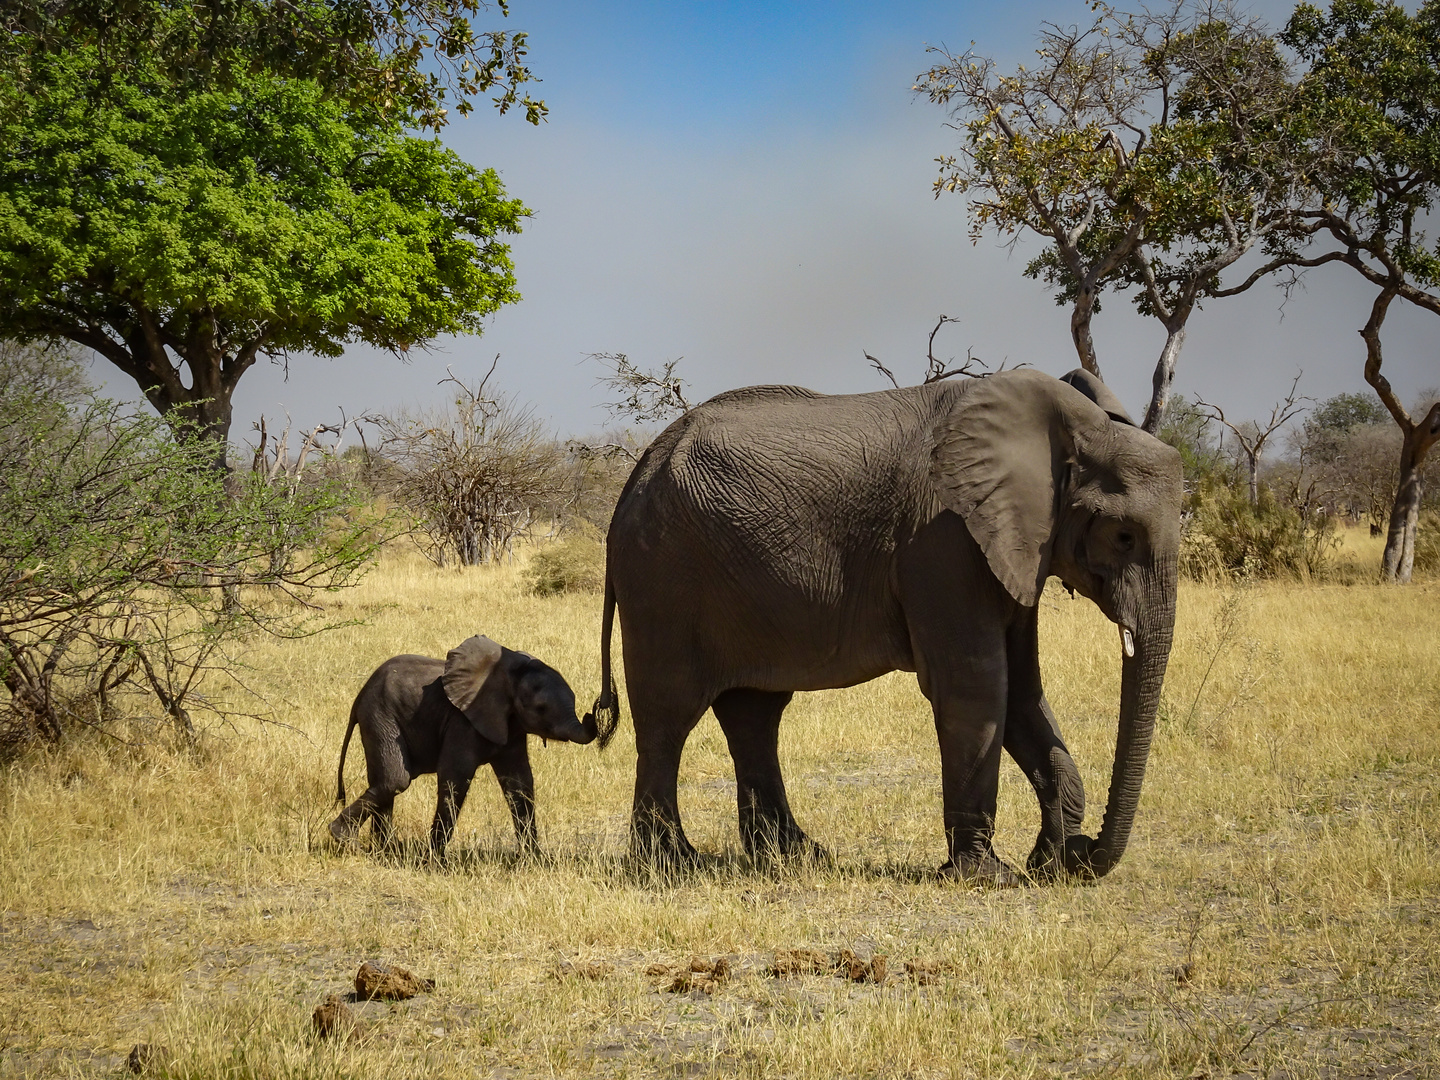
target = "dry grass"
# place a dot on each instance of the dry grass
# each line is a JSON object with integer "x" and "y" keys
{"x": 1277, "y": 908}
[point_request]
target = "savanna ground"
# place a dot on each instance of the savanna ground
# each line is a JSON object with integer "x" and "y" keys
{"x": 1278, "y": 910}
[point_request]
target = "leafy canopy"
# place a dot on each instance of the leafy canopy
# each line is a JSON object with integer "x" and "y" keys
{"x": 1372, "y": 101}
{"x": 405, "y": 58}
{"x": 225, "y": 222}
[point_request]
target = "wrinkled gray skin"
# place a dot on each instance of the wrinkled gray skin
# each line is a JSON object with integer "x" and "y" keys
{"x": 775, "y": 540}
{"x": 419, "y": 715}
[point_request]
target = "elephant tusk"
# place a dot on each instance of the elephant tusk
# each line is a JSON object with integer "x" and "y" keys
{"x": 1126, "y": 641}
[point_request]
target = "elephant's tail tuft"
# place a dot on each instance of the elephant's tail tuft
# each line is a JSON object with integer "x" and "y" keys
{"x": 605, "y": 713}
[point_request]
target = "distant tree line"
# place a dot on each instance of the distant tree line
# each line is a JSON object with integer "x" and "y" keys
{"x": 1276, "y": 514}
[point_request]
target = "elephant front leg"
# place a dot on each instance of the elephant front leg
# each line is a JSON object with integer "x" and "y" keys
{"x": 969, "y": 703}
{"x": 970, "y": 779}
{"x": 517, "y": 782}
{"x": 751, "y": 722}
{"x": 452, "y": 790}
{"x": 1032, "y": 738}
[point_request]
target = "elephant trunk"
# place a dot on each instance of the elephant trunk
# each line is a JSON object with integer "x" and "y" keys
{"x": 1141, "y": 677}
{"x": 588, "y": 730}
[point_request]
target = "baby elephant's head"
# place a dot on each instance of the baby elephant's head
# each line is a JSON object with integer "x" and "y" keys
{"x": 497, "y": 687}
{"x": 544, "y": 704}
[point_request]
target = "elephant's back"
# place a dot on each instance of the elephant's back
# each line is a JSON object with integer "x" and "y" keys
{"x": 399, "y": 684}
{"x": 779, "y": 510}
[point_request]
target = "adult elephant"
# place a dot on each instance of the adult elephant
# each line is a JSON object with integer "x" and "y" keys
{"x": 774, "y": 540}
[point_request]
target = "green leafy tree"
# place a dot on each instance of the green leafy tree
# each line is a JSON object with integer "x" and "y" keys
{"x": 409, "y": 58}
{"x": 1343, "y": 412}
{"x": 1371, "y": 102}
{"x": 182, "y": 233}
{"x": 1150, "y": 151}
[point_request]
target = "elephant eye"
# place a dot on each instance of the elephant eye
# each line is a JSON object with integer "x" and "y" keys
{"x": 1127, "y": 540}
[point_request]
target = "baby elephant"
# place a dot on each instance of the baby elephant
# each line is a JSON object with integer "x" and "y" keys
{"x": 421, "y": 715}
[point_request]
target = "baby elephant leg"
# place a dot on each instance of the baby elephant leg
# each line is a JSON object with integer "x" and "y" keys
{"x": 512, "y": 770}
{"x": 449, "y": 800}
{"x": 377, "y": 804}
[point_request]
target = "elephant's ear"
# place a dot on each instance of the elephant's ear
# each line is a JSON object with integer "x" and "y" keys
{"x": 469, "y": 667}
{"x": 1099, "y": 393}
{"x": 999, "y": 461}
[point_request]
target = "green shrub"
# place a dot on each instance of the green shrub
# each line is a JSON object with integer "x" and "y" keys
{"x": 1228, "y": 537}
{"x": 575, "y": 563}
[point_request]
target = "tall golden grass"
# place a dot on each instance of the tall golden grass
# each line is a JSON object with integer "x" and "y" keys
{"x": 1277, "y": 908}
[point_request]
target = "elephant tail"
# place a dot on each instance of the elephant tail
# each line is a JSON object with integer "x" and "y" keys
{"x": 344, "y": 748}
{"x": 605, "y": 713}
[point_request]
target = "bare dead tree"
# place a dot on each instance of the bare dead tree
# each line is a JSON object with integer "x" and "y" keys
{"x": 273, "y": 462}
{"x": 935, "y": 369}
{"x": 645, "y": 397}
{"x": 477, "y": 476}
{"x": 1252, "y": 437}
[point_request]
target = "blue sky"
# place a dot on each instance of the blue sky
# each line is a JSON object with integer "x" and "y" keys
{"x": 747, "y": 186}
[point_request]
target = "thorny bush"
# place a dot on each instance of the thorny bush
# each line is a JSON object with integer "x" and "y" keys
{"x": 128, "y": 570}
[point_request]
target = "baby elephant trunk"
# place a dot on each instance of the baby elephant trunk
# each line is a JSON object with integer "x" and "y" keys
{"x": 578, "y": 731}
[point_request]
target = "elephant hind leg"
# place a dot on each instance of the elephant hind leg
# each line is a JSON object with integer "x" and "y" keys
{"x": 662, "y": 724}
{"x": 375, "y": 805}
{"x": 751, "y": 722}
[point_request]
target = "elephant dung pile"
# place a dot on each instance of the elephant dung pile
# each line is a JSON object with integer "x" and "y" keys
{"x": 706, "y": 976}
{"x": 374, "y": 982}
{"x": 147, "y": 1056}
{"x": 844, "y": 964}
{"x": 332, "y": 1019}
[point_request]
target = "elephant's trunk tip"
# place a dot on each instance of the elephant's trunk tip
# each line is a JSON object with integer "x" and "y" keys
{"x": 603, "y": 718}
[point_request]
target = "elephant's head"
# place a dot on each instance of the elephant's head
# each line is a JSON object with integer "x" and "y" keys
{"x": 496, "y": 687}
{"x": 1052, "y": 477}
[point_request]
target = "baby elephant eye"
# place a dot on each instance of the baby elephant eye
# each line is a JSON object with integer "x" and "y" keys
{"x": 1126, "y": 539}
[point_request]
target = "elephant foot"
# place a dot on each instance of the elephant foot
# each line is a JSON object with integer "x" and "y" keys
{"x": 1078, "y": 851}
{"x": 1046, "y": 862}
{"x": 784, "y": 845}
{"x": 666, "y": 852}
{"x": 986, "y": 872}
{"x": 344, "y": 830}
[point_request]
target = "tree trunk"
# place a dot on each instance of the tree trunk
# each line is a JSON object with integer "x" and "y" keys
{"x": 1399, "y": 558}
{"x": 1252, "y": 459}
{"x": 1080, "y": 317}
{"x": 141, "y": 345}
{"x": 1164, "y": 378}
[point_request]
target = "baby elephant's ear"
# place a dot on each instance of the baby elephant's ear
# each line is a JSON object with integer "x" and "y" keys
{"x": 467, "y": 667}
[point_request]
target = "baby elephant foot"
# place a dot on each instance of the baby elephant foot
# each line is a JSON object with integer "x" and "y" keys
{"x": 344, "y": 830}
{"x": 985, "y": 872}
